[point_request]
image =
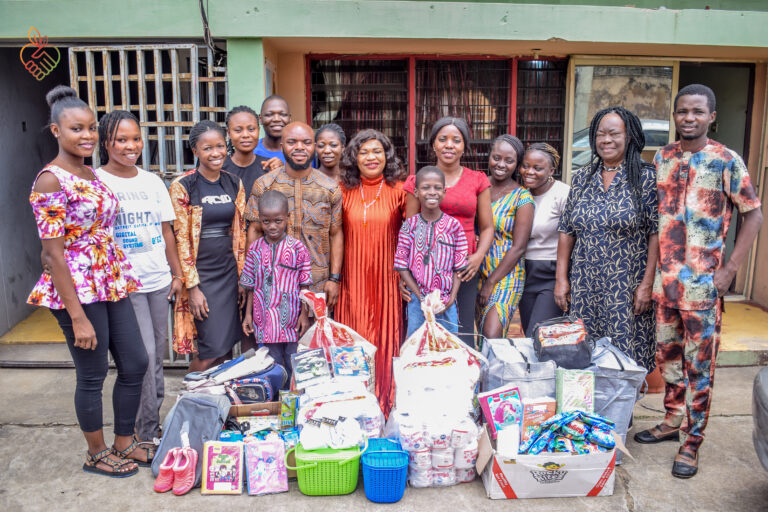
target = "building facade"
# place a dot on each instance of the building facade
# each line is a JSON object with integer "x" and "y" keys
{"x": 535, "y": 69}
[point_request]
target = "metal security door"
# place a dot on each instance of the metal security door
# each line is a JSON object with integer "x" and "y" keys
{"x": 169, "y": 87}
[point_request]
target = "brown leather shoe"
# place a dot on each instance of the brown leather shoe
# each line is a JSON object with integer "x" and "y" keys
{"x": 651, "y": 437}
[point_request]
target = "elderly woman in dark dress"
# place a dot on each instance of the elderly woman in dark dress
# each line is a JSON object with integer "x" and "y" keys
{"x": 608, "y": 245}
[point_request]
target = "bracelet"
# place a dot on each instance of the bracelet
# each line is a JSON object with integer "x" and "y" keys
{"x": 334, "y": 277}
{"x": 177, "y": 277}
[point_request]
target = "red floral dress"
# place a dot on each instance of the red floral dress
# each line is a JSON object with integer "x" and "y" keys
{"x": 83, "y": 212}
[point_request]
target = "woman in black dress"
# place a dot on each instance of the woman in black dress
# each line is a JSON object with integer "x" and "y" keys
{"x": 210, "y": 235}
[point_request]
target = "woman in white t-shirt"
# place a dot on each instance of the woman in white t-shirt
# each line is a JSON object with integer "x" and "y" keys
{"x": 549, "y": 195}
{"x": 143, "y": 231}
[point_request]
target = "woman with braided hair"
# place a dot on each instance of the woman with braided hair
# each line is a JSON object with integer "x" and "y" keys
{"x": 210, "y": 233}
{"x": 608, "y": 245}
{"x": 143, "y": 231}
{"x": 537, "y": 171}
{"x": 502, "y": 273}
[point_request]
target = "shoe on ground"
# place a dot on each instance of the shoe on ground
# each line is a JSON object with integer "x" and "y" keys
{"x": 647, "y": 436}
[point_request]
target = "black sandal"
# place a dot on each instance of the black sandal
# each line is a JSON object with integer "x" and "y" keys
{"x": 135, "y": 443}
{"x": 103, "y": 456}
{"x": 681, "y": 469}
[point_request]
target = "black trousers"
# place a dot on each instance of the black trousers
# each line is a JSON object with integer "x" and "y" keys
{"x": 117, "y": 332}
{"x": 538, "y": 301}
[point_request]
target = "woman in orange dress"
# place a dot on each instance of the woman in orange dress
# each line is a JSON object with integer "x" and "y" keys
{"x": 373, "y": 210}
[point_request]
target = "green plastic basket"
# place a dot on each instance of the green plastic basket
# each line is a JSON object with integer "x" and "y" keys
{"x": 326, "y": 472}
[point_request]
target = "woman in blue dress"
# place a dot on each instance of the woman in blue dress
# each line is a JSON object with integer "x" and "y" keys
{"x": 608, "y": 245}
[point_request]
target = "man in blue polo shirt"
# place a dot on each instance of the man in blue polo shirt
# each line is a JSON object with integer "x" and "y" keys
{"x": 274, "y": 116}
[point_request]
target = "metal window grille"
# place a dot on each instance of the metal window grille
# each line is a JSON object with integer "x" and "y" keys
{"x": 541, "y": 103}
{"x": 169, "y": 87}
{"x": 476, "y": 90}
{"x": 360, "y": 94}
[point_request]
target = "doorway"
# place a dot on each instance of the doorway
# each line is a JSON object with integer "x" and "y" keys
{"x": 733, "y": 85}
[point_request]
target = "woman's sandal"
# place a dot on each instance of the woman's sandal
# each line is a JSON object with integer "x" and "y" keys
{"x": 135, "y": 443}
{"x": 103, "y": 456}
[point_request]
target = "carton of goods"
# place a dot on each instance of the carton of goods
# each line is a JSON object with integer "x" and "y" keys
{"x": 545, "y": 475}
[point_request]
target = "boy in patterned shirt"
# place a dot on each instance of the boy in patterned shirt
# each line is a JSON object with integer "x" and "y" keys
{"x": 277, "y": 266}
{"x": 431, "y": 250}
{"x": 699, "y": 181}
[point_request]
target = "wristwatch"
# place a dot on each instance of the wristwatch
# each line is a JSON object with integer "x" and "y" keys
{"x": 336, "y": 278}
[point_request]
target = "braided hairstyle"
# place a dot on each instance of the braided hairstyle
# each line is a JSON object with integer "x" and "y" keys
{"x": 238, "y": 110}
{"x": 517, "y": 145}
{"x": 633, "y": 161}
{"x": 332, "y": 127}
{"x": 199, "y": 129}
{"x": 545, "y": 148}
{"x": 108, "y": 130}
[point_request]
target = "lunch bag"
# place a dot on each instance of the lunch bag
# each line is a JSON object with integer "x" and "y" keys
{"x": 258, "y": 387}
{"x": 572, "y": 351}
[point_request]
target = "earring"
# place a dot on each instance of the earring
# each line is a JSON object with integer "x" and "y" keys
{"x": 551, "y": 179}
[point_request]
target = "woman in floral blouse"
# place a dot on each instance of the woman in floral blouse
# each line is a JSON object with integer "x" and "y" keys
{"x": 87, "y": 285}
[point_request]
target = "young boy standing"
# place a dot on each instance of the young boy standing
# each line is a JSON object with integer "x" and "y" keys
{"x": 431, "y": 249}
{"x": 277, "y": 267}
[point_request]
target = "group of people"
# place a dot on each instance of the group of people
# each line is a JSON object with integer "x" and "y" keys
{"x": 233, "y": 242}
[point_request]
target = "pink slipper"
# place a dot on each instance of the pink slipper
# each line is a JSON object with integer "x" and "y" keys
{"x": 184, "y": 471}
{"x": 165, "y": 476}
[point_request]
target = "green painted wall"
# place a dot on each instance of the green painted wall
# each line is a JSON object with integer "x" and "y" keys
{"x": 245, "y": 66}
{"x": 81, "y": 20}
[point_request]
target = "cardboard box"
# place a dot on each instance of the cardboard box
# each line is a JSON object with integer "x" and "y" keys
{"x": 547, "y": 475}
{"x": 266, "y": 409}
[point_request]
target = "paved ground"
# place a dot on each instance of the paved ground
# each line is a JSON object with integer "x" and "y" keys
{"x": 41, "y": 452}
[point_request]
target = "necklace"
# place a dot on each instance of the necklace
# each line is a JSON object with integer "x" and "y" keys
{"x": 613, "y": 169}
{"x": 368, "y": 205}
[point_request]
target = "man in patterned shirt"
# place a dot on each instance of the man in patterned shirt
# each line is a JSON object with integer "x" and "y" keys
{"x": 314, "y": 202}
{"x": 699, "y": 181}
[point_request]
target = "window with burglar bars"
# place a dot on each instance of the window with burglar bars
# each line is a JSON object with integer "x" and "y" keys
{"x": 360, "y": 94}
{"x": 476, "y": 90}
{"x": 168, "y": 87}
{"x": 541, "y": 103}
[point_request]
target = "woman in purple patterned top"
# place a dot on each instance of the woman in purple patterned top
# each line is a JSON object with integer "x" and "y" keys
{"x": 87, "y": 284}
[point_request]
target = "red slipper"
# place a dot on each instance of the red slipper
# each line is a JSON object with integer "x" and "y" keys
{"x": 165, "y": 477}
{"x": 184, "y": 471}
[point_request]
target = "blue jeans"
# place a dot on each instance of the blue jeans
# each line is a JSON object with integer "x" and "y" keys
{"x": 448, "y": 318}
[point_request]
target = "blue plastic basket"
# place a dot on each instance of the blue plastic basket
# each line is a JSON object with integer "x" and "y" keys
{"x": 385, "y": 470}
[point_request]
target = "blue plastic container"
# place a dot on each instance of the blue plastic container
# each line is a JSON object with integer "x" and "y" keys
{"x": 385, "y": 470}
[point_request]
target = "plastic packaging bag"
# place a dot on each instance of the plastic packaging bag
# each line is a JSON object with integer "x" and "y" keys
{"x": 326, "y": 333}
{"x": 565, "y": 341}
{"x": 265, "y": 466}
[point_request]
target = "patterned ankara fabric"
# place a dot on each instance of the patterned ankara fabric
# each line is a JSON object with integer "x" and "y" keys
{"x": 507, "y": 292}
{"x": 83, "y": 212}
{"x": 276, "y": 273}
{"x": 185, "y": 197}
{"x": 610, "y": 256}
{"x": 460, "y": 201}
{"x": 369, "y": 299}
{"x": 687, "y": 345}
{"x": 697, "y": 192}
{"x": 432, "y": 251}
{"x": 314, "y": 207}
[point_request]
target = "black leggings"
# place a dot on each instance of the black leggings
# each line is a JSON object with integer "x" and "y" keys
{"x": 117, "y": 332}
{"x": 538, "y": 301}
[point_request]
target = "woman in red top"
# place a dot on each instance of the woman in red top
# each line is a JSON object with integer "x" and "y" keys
{"x": 468, "y": 199}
